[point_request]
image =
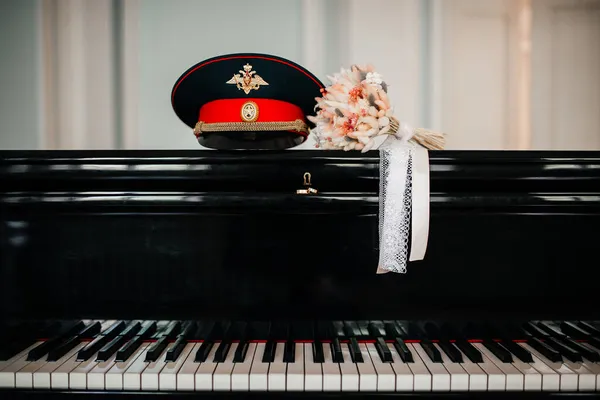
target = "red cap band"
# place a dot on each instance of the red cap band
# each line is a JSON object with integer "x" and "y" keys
{"x": 266, "y": 110}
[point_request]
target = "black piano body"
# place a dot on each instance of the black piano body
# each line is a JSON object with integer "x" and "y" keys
{"x": 212, "y": 235}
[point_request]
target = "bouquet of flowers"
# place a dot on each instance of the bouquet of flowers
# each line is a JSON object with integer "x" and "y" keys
{"x": 356, "y": 109}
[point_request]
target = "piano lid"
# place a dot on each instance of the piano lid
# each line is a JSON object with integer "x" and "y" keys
{"x": 198, "y": 234}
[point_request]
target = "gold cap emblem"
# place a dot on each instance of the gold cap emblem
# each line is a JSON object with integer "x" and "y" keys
{"x": 247, "y": 79}
{"x": 249, "y": 111}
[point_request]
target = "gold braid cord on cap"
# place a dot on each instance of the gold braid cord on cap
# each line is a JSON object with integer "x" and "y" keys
{"x": 297, "y": 125}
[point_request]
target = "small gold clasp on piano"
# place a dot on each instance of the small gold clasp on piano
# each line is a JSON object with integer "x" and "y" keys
{"x": 307, "y": 184}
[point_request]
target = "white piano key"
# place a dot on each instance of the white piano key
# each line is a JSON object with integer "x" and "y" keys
{"x": 59, "y": 378}
{"x": 21, "y": 354}
{"x": 78, "y": 376}
{"x": 95, "y": 378}
{"x": 295, "y": 371}
{"x": 440, "y": 378}
{"x": 550, "y": 378}
{"x": 240, "y": 378}
{"x": 12, "y": 366}
{"x": 533, "y": 378}
{"x": 167, "y": 379}
{"x": 366, "y": 371}
{"x": 113, "y": 380}
{"x": 313, "y": 371}
{"x": 132, "y": 378}
{"x": 496, "y": 378}
{"x": 42, "y": 377}
{"x": 349, "y": 371}
{"x": 478, "y": 379}
{"x": 587, "y": 379}
{"x": 386, "y": 378}
{"x": 277, "y": 370}
{"x": 514, "y": 377}
{"x": 332, "y": 375}
{"x": 185, "y": 375}
{"x": 567, "y": 379}
{"x": 405, "y": 380}
{"x": 595, "y": 369}
{"x": 152, "y": 371}
{"x": 222, "y": 374}
{"x": 204, "y": 374}
{"x": 259, "y": 370}
{"x": 24, "y": 377}
{"x": 459, "y": 379}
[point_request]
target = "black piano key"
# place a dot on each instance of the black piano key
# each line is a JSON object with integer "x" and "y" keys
{"x": 63, "y": 349}
{"x": 534, "y": 330}
{"x": 403, "y": 350}
{"x": 222, "y": 350}
{"x": 592, "y": 330}
{"x": 269, "y": 354}
{"x": 594, "y": 342}
{"x": 499, "y": 351}
{"x": 317, "y": 350}
{"x": 175, "y": 351}
{"x": 574, "y": 331}
{"x": 173, "y": 330}
{"x": 66, "y": 332}
{"x": 131, "y": 330}
{"x": 544, "y": 349}
{"x": 517, "y": 351}
{"x": 90, "y": 331}
{"x": 415, "y": 331}
{"x": 546, "y": 328}
{"x": 337, "y": 329}
{"x": 148, "y": 329}
{"x": 156, "y": 349}
{"x": 374, "y": 331}
{"x": 383, "y": 350}
{"x": 241, "y": 351}
{"x": 351, "y": 329}
{"x": 469, "y": 350}
{"x": 391, "y": 331}
{"x": 582, "y": 350}
{"x": 336, "y": 351}
{"x": 451, "y": 351}
{"x": 431, "y": 350}
{"x": 111, "y": 347}
{"x": 92, "y": 348}
{"x": 129, "y": 348}
{"x": 115, "y": 329}
{"x": 363, "y": 327}
{"x": 564, "y": 349}
{"x": 289, "y": 352}
{"x": 203, "y": 351}
{"x": 355, "y": 353}
{"x": 189, "y": 330}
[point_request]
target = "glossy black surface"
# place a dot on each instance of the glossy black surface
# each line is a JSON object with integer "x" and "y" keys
{"x": 206, "y": 234}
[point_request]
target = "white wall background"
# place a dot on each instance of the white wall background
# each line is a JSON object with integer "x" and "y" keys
{"x": 493, "y": 74}
{"x": 20, "y": 75}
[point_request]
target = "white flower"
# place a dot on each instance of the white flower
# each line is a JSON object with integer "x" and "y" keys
{"x": 374, "y": 79}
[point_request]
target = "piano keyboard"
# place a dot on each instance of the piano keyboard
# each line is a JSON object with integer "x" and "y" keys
{"x": 374, "y": 356}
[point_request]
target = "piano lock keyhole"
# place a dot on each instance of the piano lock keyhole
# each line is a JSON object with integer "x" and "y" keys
{"x": 307, "y": 184}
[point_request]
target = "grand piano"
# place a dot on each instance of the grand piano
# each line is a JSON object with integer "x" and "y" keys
{"x": 135, "y": 274}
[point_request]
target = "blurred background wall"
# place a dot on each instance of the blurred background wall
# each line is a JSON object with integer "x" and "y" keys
{"x": 493, "y": 74}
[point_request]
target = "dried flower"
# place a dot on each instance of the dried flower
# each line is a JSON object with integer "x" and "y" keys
{"x": 352, "y": 111}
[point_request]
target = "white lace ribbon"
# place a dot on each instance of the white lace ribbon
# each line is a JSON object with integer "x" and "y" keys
{"x": 403, "y": 204}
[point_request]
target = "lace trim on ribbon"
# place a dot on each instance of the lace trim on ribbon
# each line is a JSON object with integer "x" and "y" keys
{"x": 395, "y": 202}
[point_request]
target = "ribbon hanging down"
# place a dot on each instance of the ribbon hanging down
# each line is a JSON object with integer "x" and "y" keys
{"x": 403, "y": 205}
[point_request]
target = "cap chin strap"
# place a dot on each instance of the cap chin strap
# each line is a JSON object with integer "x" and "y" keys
{"x": 297, "y": 125}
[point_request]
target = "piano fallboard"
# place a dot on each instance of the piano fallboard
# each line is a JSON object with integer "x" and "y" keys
{"x": 203, "y": 234}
